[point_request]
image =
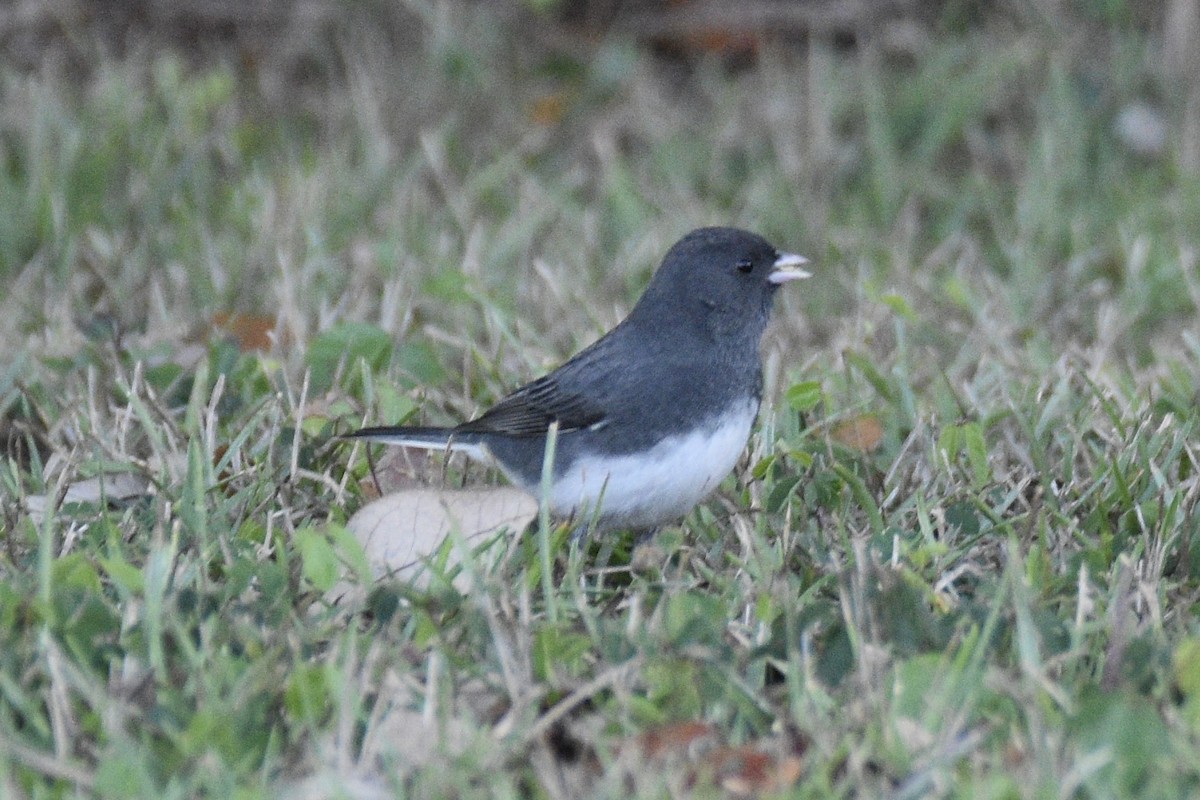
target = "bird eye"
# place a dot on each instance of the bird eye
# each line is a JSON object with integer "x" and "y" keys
{"x": 745, "y": 265}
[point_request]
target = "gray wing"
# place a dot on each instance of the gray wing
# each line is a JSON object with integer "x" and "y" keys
{"x": 596, "y": 387}
{"x": 530, "y": 411}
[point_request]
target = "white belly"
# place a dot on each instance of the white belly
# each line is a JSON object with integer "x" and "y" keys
{"x": 650, "y": 489}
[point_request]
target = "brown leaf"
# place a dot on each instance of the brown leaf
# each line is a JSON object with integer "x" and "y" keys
{"x": 742, "y": 44}
{"x": 863, "y": 433}
{"x": 250, "y": 331}
{"x": 693, "y": 752}
{"x": 748, "y": 772}
{"x": 548, "y": 109}
{"x": 674, "y": 739}
{"x": 725, "y": 40}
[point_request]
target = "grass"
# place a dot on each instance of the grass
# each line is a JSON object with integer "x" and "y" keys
{"x": 996, "y": 599}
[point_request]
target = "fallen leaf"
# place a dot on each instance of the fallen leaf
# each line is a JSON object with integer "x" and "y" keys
{"x": 692, "y": 755}
{"x": 863, "y": 433}
{"x": 250, "y": 331}
{"x": 675, "y": 739}
{"x": 749, "y": 772}
{"x": 548, "y": 109}
{"x": 726, "y": 40}
{"x": 400, "y": 530}
{"x": 742, "y": 44}
{"x": 116, "y": 487}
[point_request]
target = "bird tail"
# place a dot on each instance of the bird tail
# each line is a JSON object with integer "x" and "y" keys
{"x": 422, "y": 438}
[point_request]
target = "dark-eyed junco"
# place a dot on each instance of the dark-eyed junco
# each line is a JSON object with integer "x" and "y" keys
{"x": 655, "y": 414}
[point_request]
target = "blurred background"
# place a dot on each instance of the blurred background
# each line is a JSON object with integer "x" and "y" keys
{"x": 1026, "y": 170}
{"x": 966, "y": 523}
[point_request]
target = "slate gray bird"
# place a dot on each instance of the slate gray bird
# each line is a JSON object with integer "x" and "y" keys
{"x": 653, "y": 416}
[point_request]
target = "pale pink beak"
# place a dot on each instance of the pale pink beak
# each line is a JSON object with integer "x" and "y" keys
{"x": 787, "y": 268}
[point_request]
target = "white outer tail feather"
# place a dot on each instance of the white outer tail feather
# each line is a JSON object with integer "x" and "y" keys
{"x": 471, "y": 449}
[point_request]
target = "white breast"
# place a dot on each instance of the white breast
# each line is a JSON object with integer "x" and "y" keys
{"x": 650, "y": 489}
